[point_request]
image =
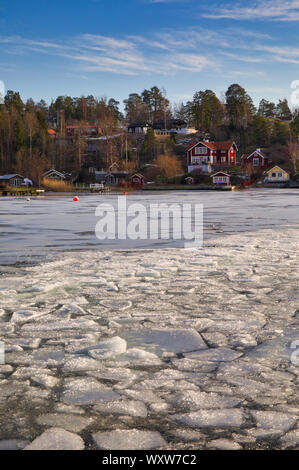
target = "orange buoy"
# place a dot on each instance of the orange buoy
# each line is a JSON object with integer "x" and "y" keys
{"x": 76, "y": 199}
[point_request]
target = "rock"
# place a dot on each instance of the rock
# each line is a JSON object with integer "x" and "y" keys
{"x": 57, "y": 439}
{"x": 131, "y": 439}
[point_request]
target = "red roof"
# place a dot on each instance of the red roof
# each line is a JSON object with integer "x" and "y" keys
{"x": 82, "y": 127}
{"x": 213, "y": 145}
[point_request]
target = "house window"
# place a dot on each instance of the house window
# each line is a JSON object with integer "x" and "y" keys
{"x": 279, "y": 175}
{"x": 220, "y": 179}
{"x": 273, "y": 175}
{"x": 223, "y": 152}
{"x": 201, "y": 151}
{"x": 256, "y": 162}
{"x": 223, "y": 159}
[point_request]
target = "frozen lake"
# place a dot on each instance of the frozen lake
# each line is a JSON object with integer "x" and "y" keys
{"x": 30, "y": 230}
{"x": 151, "y": 348}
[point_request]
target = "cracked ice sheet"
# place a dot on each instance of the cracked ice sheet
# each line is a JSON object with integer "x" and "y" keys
{"x": 208, "y": 336}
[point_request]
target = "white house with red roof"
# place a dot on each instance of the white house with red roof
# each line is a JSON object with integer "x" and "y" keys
{"x": 203, "y": 155}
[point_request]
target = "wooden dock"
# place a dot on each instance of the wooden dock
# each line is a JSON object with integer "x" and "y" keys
{"x": 17, "y": 192}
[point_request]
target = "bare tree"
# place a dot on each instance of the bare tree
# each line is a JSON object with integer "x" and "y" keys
{"x": 293, "y": 151}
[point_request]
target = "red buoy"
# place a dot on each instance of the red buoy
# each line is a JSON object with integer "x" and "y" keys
{"x": 76, "y": 199}
{"x": 125, "y": 193}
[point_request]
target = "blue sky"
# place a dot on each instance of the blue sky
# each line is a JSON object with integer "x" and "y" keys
{"x": 113, "y": 48}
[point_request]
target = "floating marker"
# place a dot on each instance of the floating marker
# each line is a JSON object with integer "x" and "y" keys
{"x": 76, "y": 199}
{"x": 125, "y": 193}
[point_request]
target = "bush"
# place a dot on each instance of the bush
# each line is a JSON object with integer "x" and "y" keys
{"x": 56, "y": 185}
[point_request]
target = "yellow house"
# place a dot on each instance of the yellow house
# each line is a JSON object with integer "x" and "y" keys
{"x": 277, "y": 175}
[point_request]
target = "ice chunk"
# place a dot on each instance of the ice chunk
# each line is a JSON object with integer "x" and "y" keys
{"x": 166, "y": 340}
{"x": 24, "y": 316}
{"x": 123, "y": 407}
{"x": 87, "y": 391}
{"x": 66, "y": 421}
{"x": 194, "y": 400}
{"x": 13, "y": 444}
{"x": 224, "y": 418}
{"x": 223, "y": 444}
{"x": 274, "y": 420}
{"x": 116, "y": 304}
{"x": 111, "y": 347}
{"x": 57, "y": 439}
{"x": 72, "y": 309}
{"x": 129, "y": 439}
{"x": 140, "y": 357}
{"x": 215, "y": 354}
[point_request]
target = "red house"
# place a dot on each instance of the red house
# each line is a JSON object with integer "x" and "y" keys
{"x": 83, "y": 130}
{"x": 137, "y": 180}
{"x": 256, "y": 161}
{"x": 204, "y": 155}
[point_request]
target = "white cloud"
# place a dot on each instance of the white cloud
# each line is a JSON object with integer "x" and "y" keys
{"x": 160, "y": 54}
{"x": 278, "y": 10}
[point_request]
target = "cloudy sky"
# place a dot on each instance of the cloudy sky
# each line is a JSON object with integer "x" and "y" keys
{"x": 117, "y": 47}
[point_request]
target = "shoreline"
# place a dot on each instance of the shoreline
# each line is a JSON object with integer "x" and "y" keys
{"x": 153, "y": 188}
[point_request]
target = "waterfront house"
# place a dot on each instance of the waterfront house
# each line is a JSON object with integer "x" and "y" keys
{"x": 277, "y": 175}
{"x": 173, "y": 126}
{"x": 54, "y": 175}
{"x": 204, "y": 155}
{"x": 256, "y": 161}
{"x": 12, "y": 180}
{"x": 111, "y": 178}
{"x": 221, "y": 179}
{"x": 139, "y": 128}
{"x": 87, "y": 131}
{"x": 137, "y": 180}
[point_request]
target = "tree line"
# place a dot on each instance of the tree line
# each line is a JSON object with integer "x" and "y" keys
{"x": 27, "y": 148}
